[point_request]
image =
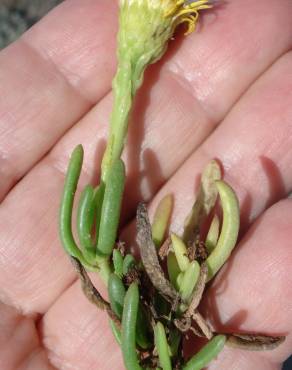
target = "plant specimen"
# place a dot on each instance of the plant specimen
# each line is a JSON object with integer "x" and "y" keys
{"x": 153, "y": 304}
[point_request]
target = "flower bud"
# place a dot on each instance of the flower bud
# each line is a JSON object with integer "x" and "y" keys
{"x": 147, "y": 25}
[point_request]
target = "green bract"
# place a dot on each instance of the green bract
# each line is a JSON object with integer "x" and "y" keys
{"x": 144, "y": 33}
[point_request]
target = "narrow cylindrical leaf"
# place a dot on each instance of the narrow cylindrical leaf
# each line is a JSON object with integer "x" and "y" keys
{"x": 213, "y": 234}
{"x": 111, "y": 207}
{"x": 162, "y": 347}
{"x": 190, "y": 278}
{"x": 85, "y": 219}
{"x": 142, "y": 329}
{"x": 118, "y": 261}
{"x": 65, "y": 217}
{"x": 206, "y": 354}
{"x": 229, "y": 231}
{"x": 173, "y": 269}
{"x": 175, "y": 338}
{"x": 161, "y": 219}
{"x": 129, "y": 322}
{"x": 116, "y": 332}
{"x": 129, "y": 262}
{"x": 181, "y": 252}
{"x": 179, "y": 279}
{"x": 116, "y": 293}
{"x": 98, "y": 200}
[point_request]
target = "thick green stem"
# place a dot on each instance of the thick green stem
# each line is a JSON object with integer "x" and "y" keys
{"x": 104, "y": 268}
{"x": 123, "y": 96}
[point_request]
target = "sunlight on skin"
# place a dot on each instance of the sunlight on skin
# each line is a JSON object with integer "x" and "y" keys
{"x": 20, "y": 346}
{"x": 62, "y": 78}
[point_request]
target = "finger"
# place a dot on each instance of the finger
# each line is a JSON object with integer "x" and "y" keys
{"x": 37, "y": 361}
{"x": 19, "y": 343}
{"x": 81, "y": 337}
{"x": 32, "y": 258}
{"x": 233, "y": 48}
{"x": 253, "y": 291}
{"x": 240, "y": 360}
{"x": 64, "y": 70}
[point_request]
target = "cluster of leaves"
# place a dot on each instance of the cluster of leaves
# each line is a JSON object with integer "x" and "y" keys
{"x": 154, "y": 304}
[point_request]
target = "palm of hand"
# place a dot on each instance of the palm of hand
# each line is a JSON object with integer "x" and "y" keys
{"x": 223, "y": 93}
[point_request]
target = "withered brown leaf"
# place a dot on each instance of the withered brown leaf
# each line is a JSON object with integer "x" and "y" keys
{"x": 150, "y": 259}
{"x": 254, "y": 342}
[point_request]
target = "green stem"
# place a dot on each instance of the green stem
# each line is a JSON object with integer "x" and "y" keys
{"x": 123, "y": 96}
{"x": 104, "y": 268}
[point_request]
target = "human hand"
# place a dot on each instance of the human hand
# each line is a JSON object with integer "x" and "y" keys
{"x": 224, "y": 92}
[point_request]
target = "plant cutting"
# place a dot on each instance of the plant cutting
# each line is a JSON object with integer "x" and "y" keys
{"x": 153, "y": 304}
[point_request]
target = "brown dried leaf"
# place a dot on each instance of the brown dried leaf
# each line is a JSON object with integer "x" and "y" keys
{"x": 204, "y": 203}
{"x": 164, "y": 249}
{"x": 202, "y": 324}
{"x": 150, "y": 259}
{"x": 253, "y": 342}
{"x": 198, "y": 291}
{"x": 90, "y": 292}
{"x": 183, "y": 324}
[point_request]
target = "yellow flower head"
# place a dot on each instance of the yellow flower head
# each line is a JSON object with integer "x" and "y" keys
{"x": 147, "y": 25}
{"x": 185, "y": 11}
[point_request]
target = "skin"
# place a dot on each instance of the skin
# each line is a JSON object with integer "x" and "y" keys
{"x": 233, "y": 75}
